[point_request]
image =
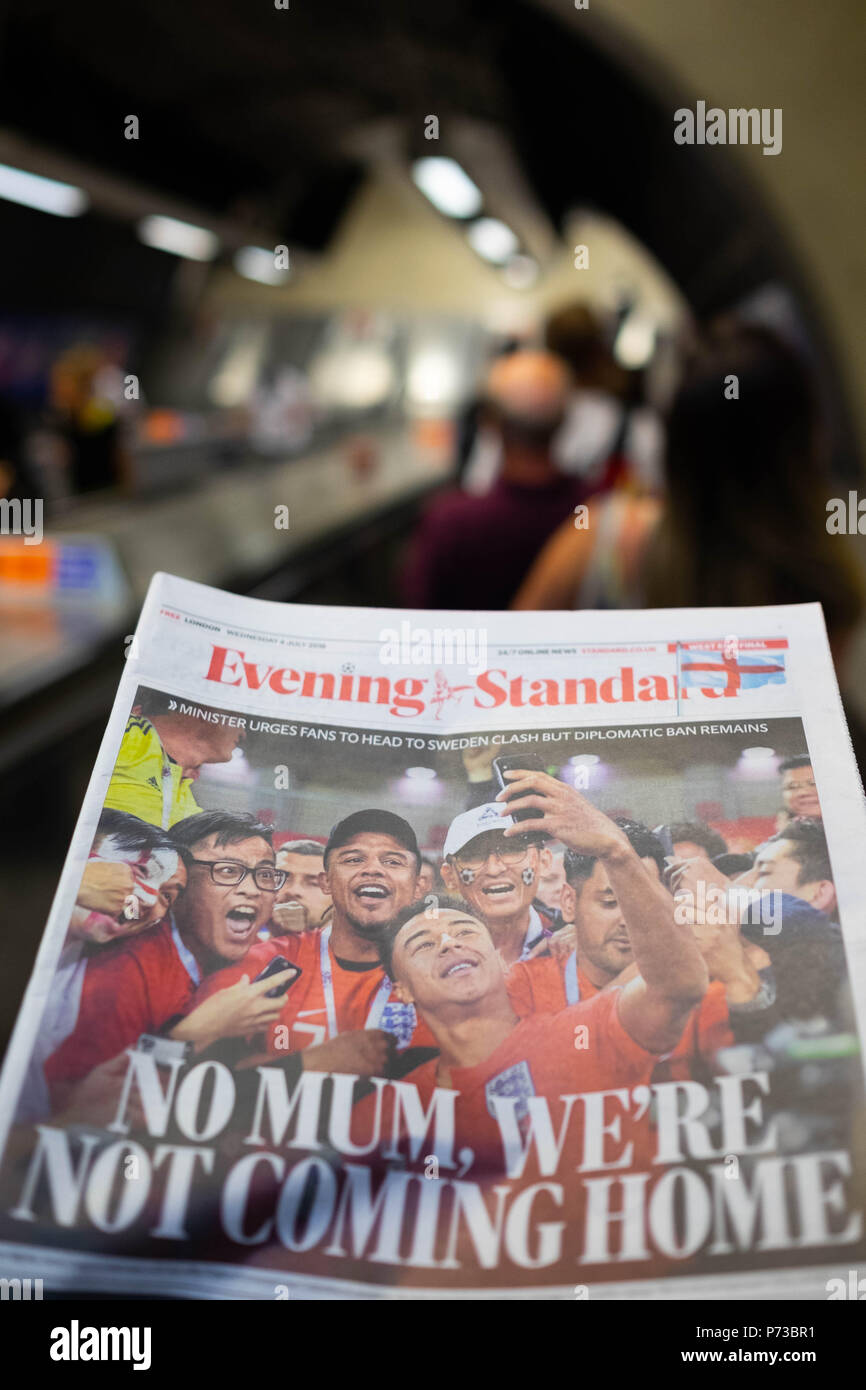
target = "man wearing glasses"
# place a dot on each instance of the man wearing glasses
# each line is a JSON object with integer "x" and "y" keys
{"x": 343, "y": 1014}
{"x": 498, "y": 877}
{"x": 146, "y": 985}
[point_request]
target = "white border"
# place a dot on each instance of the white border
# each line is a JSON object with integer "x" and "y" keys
{"x": 810, "y": 674}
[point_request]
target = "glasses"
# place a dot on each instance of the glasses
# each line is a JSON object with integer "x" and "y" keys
{"x": 228, "y": 873}
{"x": 510, "y": 853}
{"x": 798, "y": 786}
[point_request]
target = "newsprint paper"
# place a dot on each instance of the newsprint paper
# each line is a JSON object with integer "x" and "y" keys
{"x": 400, "y": 957}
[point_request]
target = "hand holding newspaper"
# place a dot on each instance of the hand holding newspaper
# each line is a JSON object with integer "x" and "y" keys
{"x": 337, "y": 993}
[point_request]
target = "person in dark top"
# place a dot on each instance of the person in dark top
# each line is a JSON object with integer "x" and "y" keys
{"x": 88, "y": 425}
{"x": 472, "y": 552}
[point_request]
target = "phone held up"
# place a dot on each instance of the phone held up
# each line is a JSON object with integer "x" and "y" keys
{"x": 517, "y": 762}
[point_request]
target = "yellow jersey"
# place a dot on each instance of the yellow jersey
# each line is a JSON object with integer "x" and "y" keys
{"x": 146, "y": 782}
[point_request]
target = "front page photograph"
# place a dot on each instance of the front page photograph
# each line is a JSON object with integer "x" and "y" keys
{"x": 502, "y": 961}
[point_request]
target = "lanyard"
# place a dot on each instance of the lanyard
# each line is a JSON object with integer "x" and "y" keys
{"x": 187, "y": 958}
{"x": 377, "y": 1008}
{"x": 530, "y": 941}
{"x": 572, "y": 988}
{"x": 167, "y": 790}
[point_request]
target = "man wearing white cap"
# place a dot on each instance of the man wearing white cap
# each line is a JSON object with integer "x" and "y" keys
{"x": 498, "y": 877}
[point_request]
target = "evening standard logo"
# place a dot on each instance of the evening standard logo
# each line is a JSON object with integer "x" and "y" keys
{"x": 708, "y": 672}
{"x": 76, "y": 1343}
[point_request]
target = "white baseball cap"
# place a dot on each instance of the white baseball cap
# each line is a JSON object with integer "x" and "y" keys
{"x": 478, "y": 821}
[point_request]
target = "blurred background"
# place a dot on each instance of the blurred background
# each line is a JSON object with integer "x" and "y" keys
{"x": 257, "y": 263}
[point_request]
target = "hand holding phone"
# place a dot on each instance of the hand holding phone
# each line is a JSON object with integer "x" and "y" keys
{"x": 274, "y": 967}
{"x": 518, "y": 762}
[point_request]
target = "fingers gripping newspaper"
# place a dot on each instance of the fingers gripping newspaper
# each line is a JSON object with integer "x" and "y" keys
{"x": 398, "y": 957}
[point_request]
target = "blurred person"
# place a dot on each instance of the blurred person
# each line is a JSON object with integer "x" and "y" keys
{"x": 18, "y": 478}
{"x": 744, "y": 517}
{"x": 787, "y": 924}
{"x": 796, "y": 861}
{"x": 498, "y": 878}
{"x": 692, "y": 838}
{"x": 161, "y": 754}
{"x": 342, "y": 1014}
{"x": 130, "y": 882}
{"x": 147, "y": 985}
{"x": 87, "y": 422}
{"x": 472, "y": 552}
{"x": 478, "y": 451}
{"x": 551, "y": 882}
{"x": 799, "y": 792}
{"x": 605, "y": 439}
{"x": 301, "y": 904}
{"x": 428, "y": 877}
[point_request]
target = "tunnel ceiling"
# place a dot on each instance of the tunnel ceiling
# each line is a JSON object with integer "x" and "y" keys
{"x": 243, "y": 107}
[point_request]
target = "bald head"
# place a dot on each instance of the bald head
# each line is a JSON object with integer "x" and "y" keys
{"x": 526, "y": 395}
{"x": 529, "y": 389}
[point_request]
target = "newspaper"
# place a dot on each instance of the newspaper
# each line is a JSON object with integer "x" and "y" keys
{"x": 451, "y": 955}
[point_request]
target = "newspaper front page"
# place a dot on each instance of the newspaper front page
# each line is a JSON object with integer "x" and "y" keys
{"x": 451, "y": 955}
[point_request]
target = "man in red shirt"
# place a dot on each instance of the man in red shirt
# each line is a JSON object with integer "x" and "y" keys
{"x": 472, "y": 552}
{"x": 603, "y": 955}
{"x": 448, "y": 967}
{"x": 343, "y": 1012}
{"x": 147, "y": 984}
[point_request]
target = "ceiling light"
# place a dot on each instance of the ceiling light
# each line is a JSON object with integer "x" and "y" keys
{"x": 179, "y": 238}
{"x": 34, "y": 191}
{"x": 635, "y": 342}
{"x": 255, "y": 263}
{"x": 423, "y": 774}
{"x": 758, "y": 754}
{"x": 448, "y": 187}
{"x": 492, "y": 240}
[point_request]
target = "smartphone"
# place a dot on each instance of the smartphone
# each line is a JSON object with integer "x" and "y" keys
{"x": 274, "y": 967}
{"x": 663, "y": 833}
{"x": 164, "y": 1050}
{"x": 516, "y": 762}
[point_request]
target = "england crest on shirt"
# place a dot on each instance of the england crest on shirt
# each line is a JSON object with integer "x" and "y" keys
{"x": 514, "y": 1082}
{"x": 400, "y": 1020}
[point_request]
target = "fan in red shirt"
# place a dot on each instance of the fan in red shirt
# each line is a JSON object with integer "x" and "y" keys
{"x": 603, "y": 955}
{"x": 146, "y": 984}
{"x": 371, "y": 865}
{"x": 448, "y": 967}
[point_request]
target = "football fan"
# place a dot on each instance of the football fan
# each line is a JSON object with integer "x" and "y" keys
{"x": 497, "y": 877}
{"x": 145, "y": 986}
{"x": 342, "y": 1008}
